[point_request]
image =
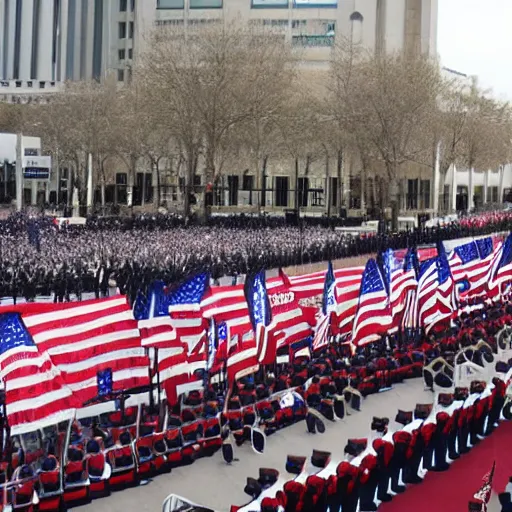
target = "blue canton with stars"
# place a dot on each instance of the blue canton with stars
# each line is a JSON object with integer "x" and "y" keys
{"x": 222, "y": 330}
{"x": 427, "y": 266}
{"x": 485, "y": 247}
{"x": 372, "y": 280}
{"x": 159, "y": 301}
{"x": 212, "y": 344}
{"x": 443, "y": 268}
{"x": 411, "y": 261}
{"x": 104, "y": 382}
{"x": 191, "y": 291}
{"x": 506, "y": 256}
{"x": 13, "y": 333}
{"x": 389, "y": 265}
{"x": 257, "y": 300}
{"x": 329, "y": 300}
{"x": 141, "y": 307}
{"x": 467, "y": 252}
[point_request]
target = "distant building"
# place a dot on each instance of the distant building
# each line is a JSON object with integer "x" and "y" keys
{"x": 36, "y": 170}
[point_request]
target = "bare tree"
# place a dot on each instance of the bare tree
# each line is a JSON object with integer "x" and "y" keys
{"x": 211, "y": 80}
{"x": 389, "y": 102}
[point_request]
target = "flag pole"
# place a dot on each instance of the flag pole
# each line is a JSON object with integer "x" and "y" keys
{"x": 159, "y": 391}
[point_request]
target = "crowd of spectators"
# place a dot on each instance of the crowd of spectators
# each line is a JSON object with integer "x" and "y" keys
{"x": 37, "y": 257}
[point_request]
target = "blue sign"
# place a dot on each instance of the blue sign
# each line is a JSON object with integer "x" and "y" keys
{"x": 36, "y": 173}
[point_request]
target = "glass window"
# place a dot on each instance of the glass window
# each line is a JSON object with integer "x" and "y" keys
{"x": 121, "y": 54}
{"x": 171, "y": 4}
{"x": 120, "y": 75}
{"x": 130, "y": 53}
{"x": 248, "y": 182}
{"x": 269, "y": 4}
{"x": 133, "y": 5}
{"x": 313, "y": 41}
{"x": 425, "y": 194}
{"x": 122, "y": 30}
{"x": 205, "y": 4}
{"x": 123, "y": 5}
{"x": 281, "y": 191}
{"x": 131, "y": 30}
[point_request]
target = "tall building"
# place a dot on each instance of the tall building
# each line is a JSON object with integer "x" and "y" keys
{"x": 44, "y": 42}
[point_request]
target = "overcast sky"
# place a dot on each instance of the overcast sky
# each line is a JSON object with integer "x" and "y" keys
{"x": 475, "y": 37}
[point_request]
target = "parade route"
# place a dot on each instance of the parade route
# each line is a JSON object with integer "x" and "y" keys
{"x": 210, "y": 482}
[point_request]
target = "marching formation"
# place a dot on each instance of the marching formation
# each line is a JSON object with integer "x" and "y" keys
{"x": 99, "y": 394}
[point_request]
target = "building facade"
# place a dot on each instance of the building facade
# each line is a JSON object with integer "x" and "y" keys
{"x": 43, "y": 43}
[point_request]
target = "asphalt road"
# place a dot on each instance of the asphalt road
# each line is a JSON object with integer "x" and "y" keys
{"x": 210, "y": 482}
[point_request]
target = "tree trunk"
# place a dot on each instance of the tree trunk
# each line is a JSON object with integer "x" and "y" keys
{"x": 394, "y": 199}
{"x": 339, "y": 168}
{"x": 157, "y": 197}
{"x": 263, "y": 199}
{"x": 297, "y": 208}
{"x": 210, "y": 178}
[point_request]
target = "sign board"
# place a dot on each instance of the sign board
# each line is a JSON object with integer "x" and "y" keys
{"x": 36, "y": 167}
{"x": 36, "y": 173}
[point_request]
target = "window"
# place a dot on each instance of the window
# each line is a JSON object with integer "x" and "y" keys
{"x": 265, "y": 4}
{"x": 275, "y": 23}
{"x": 412, "y": 195}
{"x": 120, "y": 75}
{"x": 131, "y": 30}
{"x": 281, "y": 191}
{"x": 130, "y": 53}
{"x": 170, "y": 4}
{"x": 492, "y": 195}
{"x": 162, "y": 23}
{"x": 197, "y": 183}
{"x": 123, "y": 5}
{"x": 205, "y": 4}
{"x": 425, "y": 194}
{"x": 132, "y": 5}
{"x": 333, "y": 192}
{"x": 248, "y": 182}
{"x": 122, "y": 30}
{"x": 478, "y": 196}
{"x": 303, "y": 192}
{"x": 298, "y": 23}
{"x": 121, "y": 54}
{"x": 233, "y": 190}
{"x": 313, "y": 41}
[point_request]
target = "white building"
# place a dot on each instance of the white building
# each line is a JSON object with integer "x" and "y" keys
{"x": 35, "y": 169}
{"x": 44, "y": 42}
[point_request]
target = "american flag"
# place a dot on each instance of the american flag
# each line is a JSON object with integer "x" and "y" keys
{"x": 410, "y": 315}
{"x": 485, "y": 491}
{"x": 469, "y": 264}
{"x": 329, "y": 301}
{"x": 436, "y": 292}
{"x": 228, "y": 304}
{"x": 373, "y": 317}
{"x": 501, "y": 269}
{"x": 159, "y": 337}
{"x": 400, "y": 279}
{"x": 187, "y": 314}
{"x": 85, "y": 338}
{"x": 260, "y": 313}
{"x": 35, "y": 392}
{"x": 154, "y": 322}
{"x": 290, "y": 322}
{"x": 348, "y": 283}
